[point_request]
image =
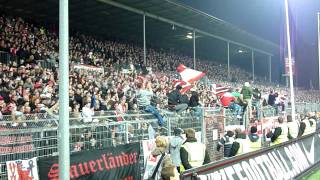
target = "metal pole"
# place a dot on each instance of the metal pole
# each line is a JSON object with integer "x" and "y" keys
{"x": 63, "y": 130}
{"x": 144, "y": 41}
{"x": 270, "y": 77}
{"x": 228, "y": 57}
{"x": 319, "y": 45}
{"x": 252, "y": 61}
{"x": 194, "y": 49}
{"x": 293, "y": 110}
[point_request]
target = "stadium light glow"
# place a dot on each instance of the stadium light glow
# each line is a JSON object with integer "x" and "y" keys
{"x": 189, "y": 33}
{"x": 189, "y": 36}
{"x": 240, "y": 51}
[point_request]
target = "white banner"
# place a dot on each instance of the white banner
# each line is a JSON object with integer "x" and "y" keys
{"x": 148, "y": 146}
{"x": 88, "y": 68}
{"x": 22, "y": 169}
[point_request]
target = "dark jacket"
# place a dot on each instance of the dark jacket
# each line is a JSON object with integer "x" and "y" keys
{"x": 174, "y": 97}
{"x": 271, "y": 99}
{"x": 184, "y": 99}
{"x": 256, "y": 93}
{"x": 194, "y": 100}
{"x": 184, "y": 155}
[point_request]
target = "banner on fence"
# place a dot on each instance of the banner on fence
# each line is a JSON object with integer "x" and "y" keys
{"x": 281, "y": 162}
{"x": 22, "y": 169}
{"x": 15, "y": 144}
{"x": 121, "y": 162}
{"x": 147, "y": 146}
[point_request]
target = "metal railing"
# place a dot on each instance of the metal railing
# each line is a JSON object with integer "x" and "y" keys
{"x": 35, "y": 135}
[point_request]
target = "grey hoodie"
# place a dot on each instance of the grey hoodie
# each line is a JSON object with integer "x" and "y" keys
{"x": 175, "y": 145}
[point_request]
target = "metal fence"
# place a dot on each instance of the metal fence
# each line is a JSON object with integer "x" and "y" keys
{"x": 35, "y": 135}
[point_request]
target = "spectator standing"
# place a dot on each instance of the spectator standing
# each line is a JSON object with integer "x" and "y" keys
{"x": 159, "y": 164}
{"x": 87, "y": 113}
{"x": 247, "y": 97}
{"x": 175, "y": 145}
{"x": 193, "y": 153}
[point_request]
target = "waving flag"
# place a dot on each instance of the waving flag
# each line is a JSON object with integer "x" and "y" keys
{"x": 218, "y": 89}
{"x": 189, "y": 75}
{"x": 226, "y": 99}
{"x": 185, "y": 85}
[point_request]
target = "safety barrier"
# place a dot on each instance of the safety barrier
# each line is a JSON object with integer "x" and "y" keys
{"x": 35, "y": 135}
{"x": 283, "y": 161}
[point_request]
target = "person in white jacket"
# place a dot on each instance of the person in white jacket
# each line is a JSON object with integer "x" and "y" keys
{"x": 87, "y": 113}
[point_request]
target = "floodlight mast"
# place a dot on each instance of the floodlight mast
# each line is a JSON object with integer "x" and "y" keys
{"x": 63, "y": 129}
{"x": 293, "y": 110}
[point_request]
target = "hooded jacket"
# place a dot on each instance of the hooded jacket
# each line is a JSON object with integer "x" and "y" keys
{"x": 175, "y": 145}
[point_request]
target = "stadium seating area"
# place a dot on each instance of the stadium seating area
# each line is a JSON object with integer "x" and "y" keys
{"x": 26, "y": 86}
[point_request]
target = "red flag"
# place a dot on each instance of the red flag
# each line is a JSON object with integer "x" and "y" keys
{"x": 185, "y": 85}
{"x": 218, "y": 89}
{"x": 226, "y": 99}
{"x": 189, "y": 75}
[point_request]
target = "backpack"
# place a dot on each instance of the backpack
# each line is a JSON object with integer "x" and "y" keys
{"x": 302, "y": 128}
{"x": 156, "y": 174}
{"x": 234, "y": 149}
{"x": 289, "y": 135}
{"x": 276, "y": 134}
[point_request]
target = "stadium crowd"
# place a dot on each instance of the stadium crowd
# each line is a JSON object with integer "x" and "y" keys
{"x": 27, "y": 87}
{"x": 127, "y": 84}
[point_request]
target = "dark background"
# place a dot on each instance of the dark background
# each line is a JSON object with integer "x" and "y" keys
{"x": 265, "y": 18}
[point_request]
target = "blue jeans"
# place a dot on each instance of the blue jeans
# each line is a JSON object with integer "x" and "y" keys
{"x": 235, "y": 107}
{"x": 155, "y": 112}
{"x": 197, "y": 111}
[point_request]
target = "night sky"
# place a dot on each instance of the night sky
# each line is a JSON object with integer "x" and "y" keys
{"x": 265, "y": 19}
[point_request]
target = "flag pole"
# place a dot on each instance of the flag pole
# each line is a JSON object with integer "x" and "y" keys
{"x": 290, "y": 60}
{"x": 319, "y": 45}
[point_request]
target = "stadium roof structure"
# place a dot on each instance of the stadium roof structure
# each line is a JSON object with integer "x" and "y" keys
{"x": 124, "y": 17}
